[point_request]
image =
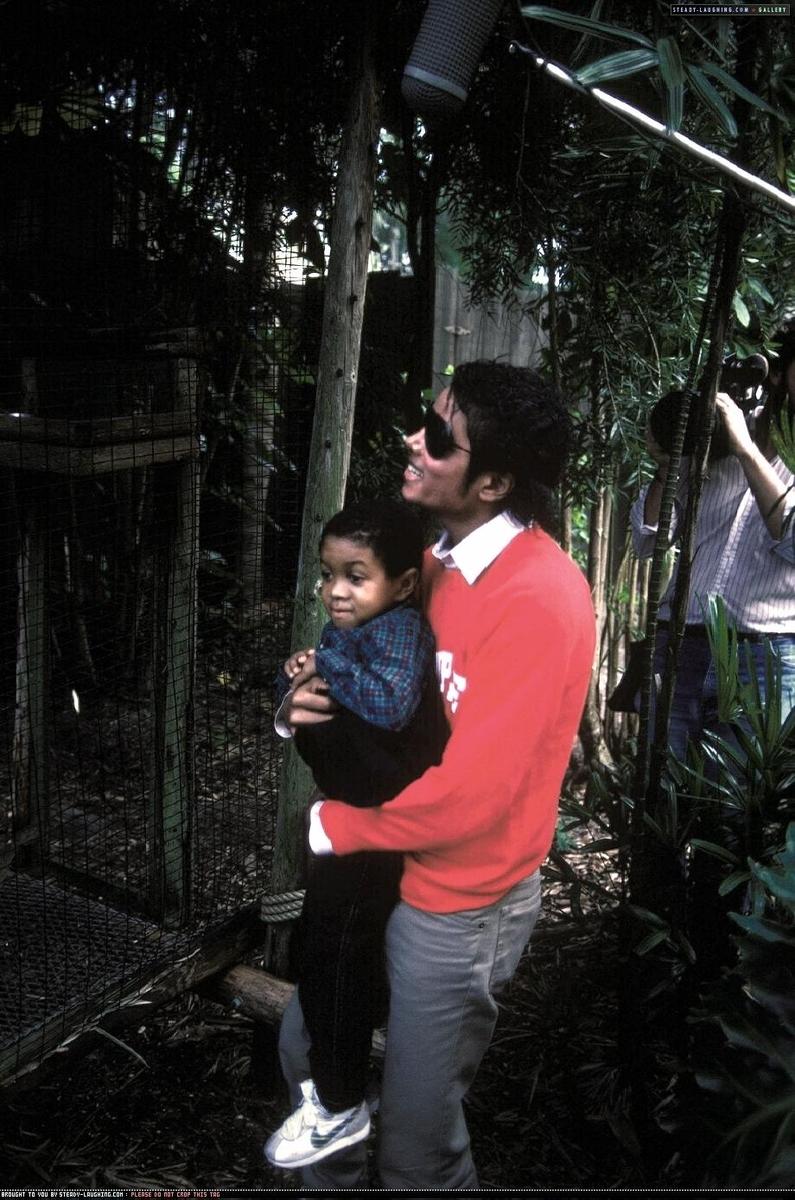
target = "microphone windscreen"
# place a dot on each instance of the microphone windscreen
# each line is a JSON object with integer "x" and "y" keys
{"x": 443, "y": 59}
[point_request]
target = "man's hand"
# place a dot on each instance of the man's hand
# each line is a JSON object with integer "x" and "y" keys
{"x": 768, "y": 490}
{"x": 309, "y": 704}
{"x": 739, "y": 435}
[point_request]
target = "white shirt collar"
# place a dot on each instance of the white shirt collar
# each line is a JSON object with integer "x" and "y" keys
{"x": 478, "y": 549}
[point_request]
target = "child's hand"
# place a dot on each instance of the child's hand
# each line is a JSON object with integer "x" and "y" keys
{"x": 300, "y": 667}
{"x": 296, "y": 662}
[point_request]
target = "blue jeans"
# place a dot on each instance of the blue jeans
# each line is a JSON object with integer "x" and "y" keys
{"x": 445, "y": 970}
{"x": 695, "y": 702}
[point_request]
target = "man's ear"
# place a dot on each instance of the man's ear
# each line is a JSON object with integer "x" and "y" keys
{"x": 407, "y": 583}
{"x": 495, "y": 486}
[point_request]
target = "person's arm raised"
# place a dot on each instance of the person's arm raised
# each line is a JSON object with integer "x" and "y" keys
{"x": 765, "y": 484}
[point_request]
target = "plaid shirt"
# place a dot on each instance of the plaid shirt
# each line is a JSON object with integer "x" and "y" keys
{"x": 378, "y": 670}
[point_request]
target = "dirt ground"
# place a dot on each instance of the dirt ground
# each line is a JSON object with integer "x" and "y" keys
{"x": 185, "y": 1102}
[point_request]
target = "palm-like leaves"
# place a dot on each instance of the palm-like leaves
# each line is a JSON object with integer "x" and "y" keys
{"x": 665, "y": 55}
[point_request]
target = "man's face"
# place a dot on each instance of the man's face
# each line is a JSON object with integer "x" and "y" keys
{"x": 437, "y": 484}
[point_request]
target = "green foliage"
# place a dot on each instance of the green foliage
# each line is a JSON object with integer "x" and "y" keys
{"x": 724, "y": 823}
{"x": 723, "y": 644}
{"x": 712, "y": 98}
{"x": 600, "y": 29}
{"x": 667, "y": 57}
{"x": 751, "y": 1082}
{"x": 782, "y": 433}
{"x": 617, "y": 66}
{"x": 377, "y": 463}
{"x": 672, "y": 72}
{"x": 623, "y": 226}
{"x": 743, "y": 782}
{"x": 737, "y": 88}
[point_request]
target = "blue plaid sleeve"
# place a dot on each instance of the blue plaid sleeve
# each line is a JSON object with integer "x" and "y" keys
{"x": 378, "y": 670}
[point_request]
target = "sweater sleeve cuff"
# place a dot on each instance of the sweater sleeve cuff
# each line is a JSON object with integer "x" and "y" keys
{"x": 318, "y": 841}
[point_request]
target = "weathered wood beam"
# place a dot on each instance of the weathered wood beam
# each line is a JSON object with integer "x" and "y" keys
{"x": 97, "y": 460}
{"x": 24, "y": 427}
{"x": 332, "y": 430}
{"x": 261, "y": 996}
{"x": 177, "y": 557}
{"x": 250, "y": 992}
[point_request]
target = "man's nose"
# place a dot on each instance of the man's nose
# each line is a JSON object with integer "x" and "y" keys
{"x": 414, "y": 440}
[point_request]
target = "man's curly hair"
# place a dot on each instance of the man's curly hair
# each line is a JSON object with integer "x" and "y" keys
{"x": 518, "y": 424}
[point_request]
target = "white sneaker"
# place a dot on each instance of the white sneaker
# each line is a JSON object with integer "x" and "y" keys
{"x": 312, "y": 1132}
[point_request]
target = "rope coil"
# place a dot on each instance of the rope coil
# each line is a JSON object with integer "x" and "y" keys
{"x": 284, "y": 906}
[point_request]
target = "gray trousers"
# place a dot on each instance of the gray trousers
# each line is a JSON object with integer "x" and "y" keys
{"x": 444, "y": 971}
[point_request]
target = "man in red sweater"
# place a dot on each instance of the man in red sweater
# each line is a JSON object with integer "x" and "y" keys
{"x": 514, "y": 628}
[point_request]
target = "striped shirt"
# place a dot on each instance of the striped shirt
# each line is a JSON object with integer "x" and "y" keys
{"x": 735, "y": 557}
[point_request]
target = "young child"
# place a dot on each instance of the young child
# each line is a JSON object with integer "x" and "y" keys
{"x": 376, "y": 657}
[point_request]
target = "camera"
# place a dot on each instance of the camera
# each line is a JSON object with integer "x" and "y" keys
{"x": 741, "y": 378}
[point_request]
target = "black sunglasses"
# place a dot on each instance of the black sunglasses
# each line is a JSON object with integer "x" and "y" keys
{"x": 439, "y": 440}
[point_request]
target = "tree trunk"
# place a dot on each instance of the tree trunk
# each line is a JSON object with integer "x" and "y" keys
{"x": 170, "y": 815}
{"x": 330, "y": 448}
{"x": 247, "y": 376}
{"x": 255, "y": 483}
{"x": 422, "y": 199}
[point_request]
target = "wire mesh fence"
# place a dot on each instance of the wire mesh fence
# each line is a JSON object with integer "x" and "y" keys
{"x": 152, "y": 476}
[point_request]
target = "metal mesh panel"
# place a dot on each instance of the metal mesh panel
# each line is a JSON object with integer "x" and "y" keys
{"x": 155, "y": 414}
{"x": 63, "y": 961}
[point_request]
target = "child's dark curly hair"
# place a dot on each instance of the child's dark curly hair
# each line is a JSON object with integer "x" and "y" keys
{"x": 390, "y": 528}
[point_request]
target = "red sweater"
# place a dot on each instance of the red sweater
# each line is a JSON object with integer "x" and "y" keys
{"x": 514, "y": 655}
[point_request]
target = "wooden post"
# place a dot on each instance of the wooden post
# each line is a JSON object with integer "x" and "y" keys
{"x": 29, "y": 793}
{"x": 329, "y": 454}
{"x": 177, "y": 504}
{"x": 29, "y": 779}
{"x": 255, "y": 485}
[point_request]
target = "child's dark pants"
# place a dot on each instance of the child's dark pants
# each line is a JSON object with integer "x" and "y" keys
{"x": 342, "y": 987}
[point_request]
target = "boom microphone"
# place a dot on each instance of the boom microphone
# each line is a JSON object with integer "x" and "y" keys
{"x": 443, "y": 59}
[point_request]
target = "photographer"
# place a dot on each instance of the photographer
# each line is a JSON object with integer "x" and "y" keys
{"x": 744, "y": 551}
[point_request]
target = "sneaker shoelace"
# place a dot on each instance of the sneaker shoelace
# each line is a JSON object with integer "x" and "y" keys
{"x": 303, "y": 1117}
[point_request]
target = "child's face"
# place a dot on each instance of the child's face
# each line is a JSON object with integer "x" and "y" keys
{"x": 354, "y": 585}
